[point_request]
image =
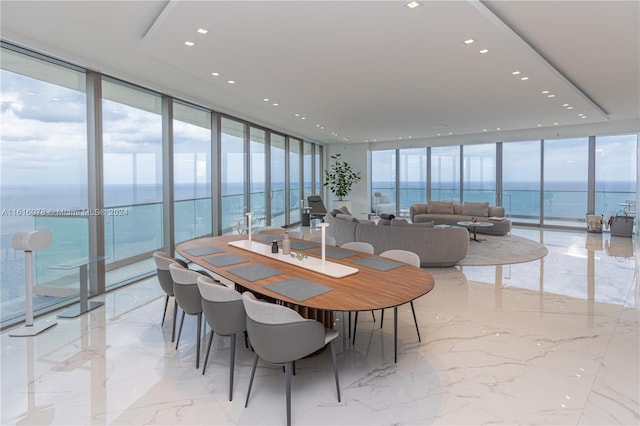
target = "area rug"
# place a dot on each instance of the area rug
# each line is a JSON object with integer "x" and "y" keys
{"x": 502, "y": 250}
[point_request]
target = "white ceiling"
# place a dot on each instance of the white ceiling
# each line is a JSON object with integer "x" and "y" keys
{"x": 362, "y": 70}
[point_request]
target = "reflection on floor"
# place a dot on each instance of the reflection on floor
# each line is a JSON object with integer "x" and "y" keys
{"x": 546, "y": 342}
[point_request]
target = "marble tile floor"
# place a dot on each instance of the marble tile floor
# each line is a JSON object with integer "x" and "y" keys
{"x": 554, "y": 341}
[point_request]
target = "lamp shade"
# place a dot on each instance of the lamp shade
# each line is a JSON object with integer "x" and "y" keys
{"x": 31, "y": 240}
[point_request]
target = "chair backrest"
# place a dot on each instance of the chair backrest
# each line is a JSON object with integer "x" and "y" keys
{"x": 185, "y": 288}
{"x": 403, "y": 256}
{"x": 163, "y": 260}
{"x": 279, "y": 334}
{"x": 222, "y": 307}
{"x": 328, "y": 239}
{"x": 316, "y": 205}
{"x": 359, "y": 246}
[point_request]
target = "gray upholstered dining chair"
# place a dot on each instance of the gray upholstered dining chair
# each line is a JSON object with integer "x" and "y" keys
{"x": 224, "y": 311}
{"x": 403, "y": 256}
{"x": 412, "y": 259}
{"x": 163, "y": 260}
{"x": 359, "y": 246}
{"x": 280, "y": 336}
{"x": 187, "y": 294}
{"x": 363, "y": 247}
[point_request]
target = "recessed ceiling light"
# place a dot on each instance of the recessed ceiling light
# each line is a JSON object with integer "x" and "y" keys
{"x": 544, "y": 92}
{"x": 296, "y": 115}
{"x": 303, "y": 118}
{"x": 413, "y": 4}
{"x": 215, "y": 74}
{"x": 231, "y": 82}
{"x": 484, "y": 51}
{"x": 189, "y": 43}
{"x": 438, "y": 134}
{"x": 266, "y": 99}
{"x": 498, "y": 128}
{"x": 555, "y": 124}
{"x": 565, "y": 105}
{"x": 524, "y": 78}
{"x": 584, "y": 116}
{"x": 551, "y": 95}
{"x": 515, "y": 72}
{"x": 202, "y": 31}
{"x": 469, "y": 41}
{"x": 569, "y": 107}
{"x": 539, "y": 125}
{"x": 275, "y": 104}
{"x": 484, "y": 130}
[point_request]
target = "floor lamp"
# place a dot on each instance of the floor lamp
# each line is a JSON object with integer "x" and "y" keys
{"x": 29, "y": 242}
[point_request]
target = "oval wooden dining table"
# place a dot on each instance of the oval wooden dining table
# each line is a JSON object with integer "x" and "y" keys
{"x": 369, "y": 288}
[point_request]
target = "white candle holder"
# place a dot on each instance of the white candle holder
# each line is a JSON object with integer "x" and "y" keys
{"x": 323, "y": 232}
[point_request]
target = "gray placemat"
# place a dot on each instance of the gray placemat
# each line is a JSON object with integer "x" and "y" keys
{"x": 302, "y": 245}
{"x": 268, "y": 238}
{"x": 201, "y": 251}
{"x": 335, "y": 253}
{"x": 255, "y": 272}
{"x": 298, "y": 289}
{"x": 378, "y": 263}
{"x": 225, "y": 260}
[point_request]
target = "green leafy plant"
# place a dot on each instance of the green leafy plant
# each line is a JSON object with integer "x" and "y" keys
{"x": 341, "y": 177}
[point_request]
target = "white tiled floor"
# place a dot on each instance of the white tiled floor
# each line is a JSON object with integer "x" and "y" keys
{"x": 545, "y": 342}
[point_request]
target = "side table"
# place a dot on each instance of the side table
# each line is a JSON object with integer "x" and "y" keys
{"x": 85, "y": 304}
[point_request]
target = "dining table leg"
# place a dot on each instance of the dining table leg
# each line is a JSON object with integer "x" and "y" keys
{"x": 395, "y": 334}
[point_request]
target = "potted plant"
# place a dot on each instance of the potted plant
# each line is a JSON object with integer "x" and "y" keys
{"x": 341, "y": 177}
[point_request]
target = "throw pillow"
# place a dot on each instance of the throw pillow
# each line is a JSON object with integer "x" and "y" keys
{"x": 476, "y": 209}
{"x": 440, "y": 207}
{"x": 345, "y": 210}
{"x": 384, "y": 222}
{"x": 387, "y": 216}
{"x": 346, "y": 217}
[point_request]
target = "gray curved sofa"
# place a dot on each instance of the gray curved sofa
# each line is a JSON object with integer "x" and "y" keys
{"x": 436, "y": 247}
{"x": 448, "y": 213}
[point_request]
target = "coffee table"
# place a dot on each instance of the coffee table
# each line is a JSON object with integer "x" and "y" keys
{"x": 474, "y": 225}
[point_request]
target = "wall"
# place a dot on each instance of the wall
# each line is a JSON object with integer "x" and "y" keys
{"x": 356, "y": 155}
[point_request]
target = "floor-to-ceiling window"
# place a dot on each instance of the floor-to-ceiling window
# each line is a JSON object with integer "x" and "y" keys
{"x": 191, "y": 171}
{"x": 412, "y": 185}
{"x": 132, "y": 147}
{"x": 383, "y": 181}
{"x": 257, "y": 172}
{"x": 278, "y": 179}
{"x": 479, "y": 173}
{"x": 566, "y": 165}
{"x": 616, "y": 174}
{"x": 445, "y": 173}
{"x": 318, "y": 172}
{"x": 521, "y": 180}
{"x": 43, "y": 173}
{"x": 232, "y": 172}
{"x": 295, "y": 150}
{"x": 307, "y": 169}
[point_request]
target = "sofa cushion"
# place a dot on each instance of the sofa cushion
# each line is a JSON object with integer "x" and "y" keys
{"x": 402, "y": 222}
{"x": 440, "y": 207}
{"x": 458, "y": 209}
{"x": 346, "y": 217}
{"x": 476, "y": 209}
